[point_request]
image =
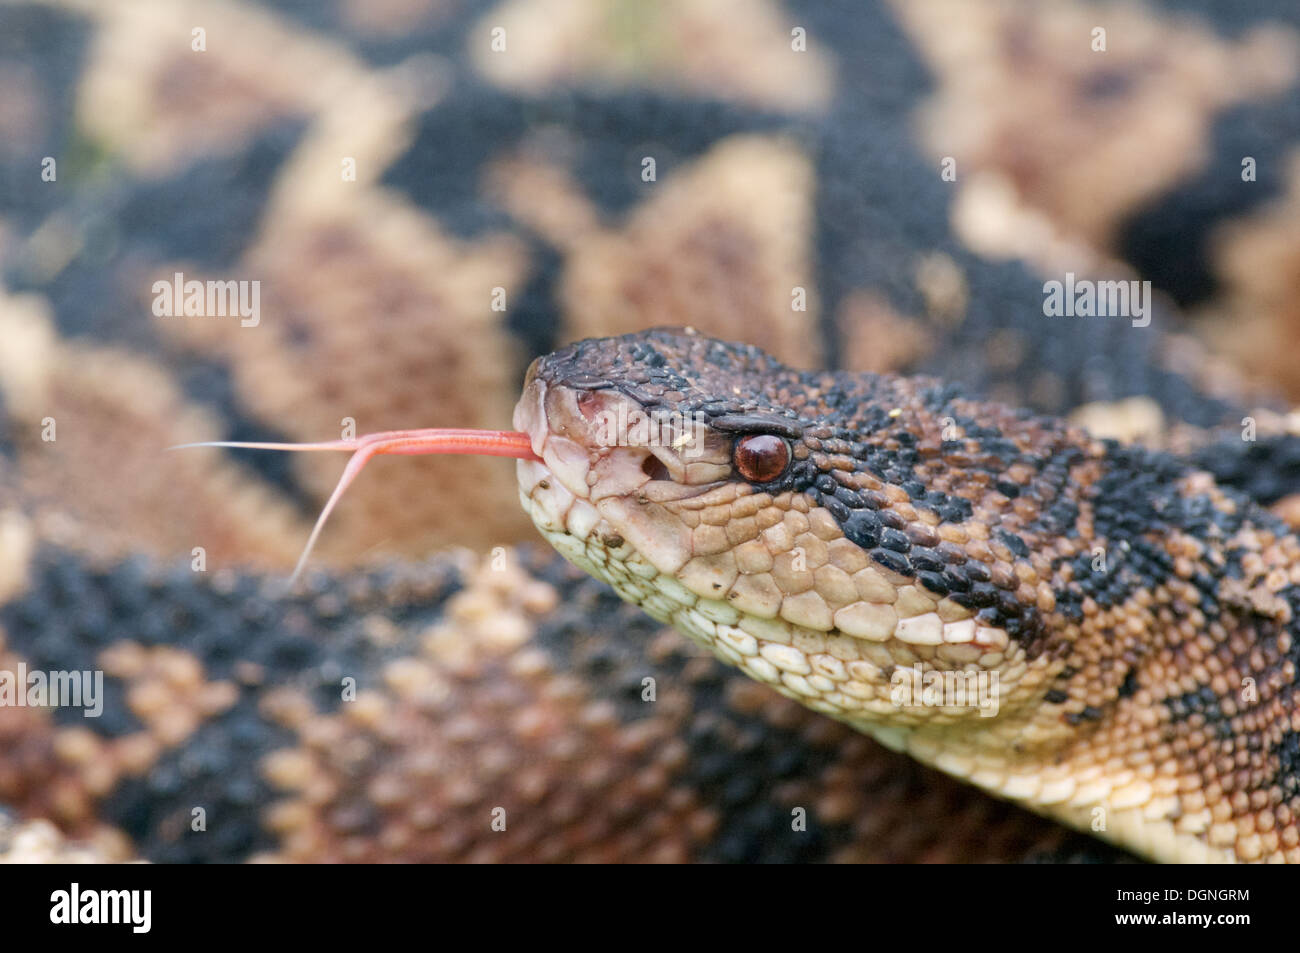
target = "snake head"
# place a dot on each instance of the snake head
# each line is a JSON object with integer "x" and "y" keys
{"x": 798, "y": 524}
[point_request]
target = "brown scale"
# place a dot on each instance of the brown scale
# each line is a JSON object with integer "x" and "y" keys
{"x": 1045, "y": 99}
{"x": 161, "y": 106}
{"x": 890, "y": 805}
{"x": 1259, "y": 267}
{"x": 62, "y": 773}
{"x": 1176, "y": 655}
{"x": 40, "y": 842}
{"x": 478, "y": 726}
{"x": 719, "y": 243}
{"x": 105, "y": 481}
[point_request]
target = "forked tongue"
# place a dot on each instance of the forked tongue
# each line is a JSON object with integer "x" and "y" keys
{"x": 491, "y": 443}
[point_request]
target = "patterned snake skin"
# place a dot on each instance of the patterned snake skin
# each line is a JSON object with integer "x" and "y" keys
{"x": 425, "y": 215}
{"x": 1124, "y": 629}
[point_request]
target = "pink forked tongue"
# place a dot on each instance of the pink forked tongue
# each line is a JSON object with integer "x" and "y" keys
{"x": 491, "y": 443}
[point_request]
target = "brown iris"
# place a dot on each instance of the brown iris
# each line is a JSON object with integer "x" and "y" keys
{"x": 761, "y": 457}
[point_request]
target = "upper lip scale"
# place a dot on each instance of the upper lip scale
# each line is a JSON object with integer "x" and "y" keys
{"x": 530, "y": 417}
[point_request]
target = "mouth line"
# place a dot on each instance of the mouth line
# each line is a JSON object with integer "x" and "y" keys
{"x": 559, "y": 423}
{"x": 614, "y": 472}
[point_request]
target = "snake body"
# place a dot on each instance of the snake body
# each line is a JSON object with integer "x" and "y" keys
{"x": 1127, "y": 622}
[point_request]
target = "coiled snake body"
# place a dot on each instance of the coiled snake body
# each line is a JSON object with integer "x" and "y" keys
{"x": 865, "y": 544}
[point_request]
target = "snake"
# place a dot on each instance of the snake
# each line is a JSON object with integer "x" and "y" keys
{"x": 1099, "y": 632}
{"x": 483, "y": 671}
{"x": 1132, "y": 622}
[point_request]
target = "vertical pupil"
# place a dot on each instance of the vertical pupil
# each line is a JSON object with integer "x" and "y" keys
{"x": 761, "y": 457}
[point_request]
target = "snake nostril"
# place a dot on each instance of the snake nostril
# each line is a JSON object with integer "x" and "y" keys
{"x": 654, "y": 468}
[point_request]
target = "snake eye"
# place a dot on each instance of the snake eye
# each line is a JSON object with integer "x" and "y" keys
{"x": 761, "y": 457}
